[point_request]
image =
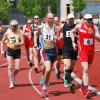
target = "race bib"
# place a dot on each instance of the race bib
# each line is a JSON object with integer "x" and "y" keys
{"x": 88, "y": 41}
{"x": 68, "y": 34}
{"x": 14, "y": 40}
{"x": 48, "y": 37}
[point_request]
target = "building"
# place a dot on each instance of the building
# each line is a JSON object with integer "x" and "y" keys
{"x": 92, "y": 6}
{"x": 16, "y": 13}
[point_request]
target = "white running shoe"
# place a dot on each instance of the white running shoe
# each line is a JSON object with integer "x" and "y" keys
{"x": 44, "y": 91}
{"x": 11, "y": 86}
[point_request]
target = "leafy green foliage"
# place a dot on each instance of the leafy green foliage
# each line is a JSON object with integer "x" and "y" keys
{"x": 37, "y": 7}
{"x": 5, "y": 8}
{"x": 79, "y": 5}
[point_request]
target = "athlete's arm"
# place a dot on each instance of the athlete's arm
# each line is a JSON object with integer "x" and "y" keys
{"x": 97, "y": 34}
{"x": 22, "y": 38}
{"x": 73, "y": 32}
{"x": 24, "y": 33}
{"x": 2, "y": 43}
{"x": 36, "y": 35}
{"x": 61, "y": 35}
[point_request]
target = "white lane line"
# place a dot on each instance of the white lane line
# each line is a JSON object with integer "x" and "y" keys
{"x": 97, "y": 50}
{"x": 33, "y": 85}
{"x": 78, "y": 80}
{"x": 6, "y": 63}
{"x": 3, "y": 64}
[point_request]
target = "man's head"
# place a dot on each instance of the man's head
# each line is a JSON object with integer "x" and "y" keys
{"x": 70, "y": 19}
{"x": 88, "y": 19}
{"x": 14, "y": 25}
{"x": 50, "y": 18}
{"x": 29, "y": 22}
{"x": 56, "y": 20}
{"x": 36, "y": 19}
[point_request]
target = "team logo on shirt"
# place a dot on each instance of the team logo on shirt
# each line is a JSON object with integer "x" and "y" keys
{"x": 83, "y": 31}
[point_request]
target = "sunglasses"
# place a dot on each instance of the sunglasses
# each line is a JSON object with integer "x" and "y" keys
{"x": 50, "y": 18}
{"x": 36, "y": 18}
{"x": 28, "y": 23}
{"x": 63, "y": 22}
{"x": 90, "y": 19}
{"x": 15, "y": 26}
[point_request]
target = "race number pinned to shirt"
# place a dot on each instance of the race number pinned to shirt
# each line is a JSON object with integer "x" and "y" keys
{"x": 88, "y": 41}
{"x": 68, "y": 34}
{"x": 48, "y": 37}
{"x": 14, "y": 40}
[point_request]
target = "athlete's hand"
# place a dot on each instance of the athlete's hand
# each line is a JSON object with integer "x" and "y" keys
{"x": 55, "y": 37}
{"x": 2, "y": 52}
{"x": 74, "y": 46}
{"x": 61, "y": 35}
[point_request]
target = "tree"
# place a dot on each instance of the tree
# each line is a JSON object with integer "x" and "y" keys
{"x": 39, "y": 7}
{"x": 5, "y": 8}
{"x": 29, "y": 8}
{"x": 79, "y": 5}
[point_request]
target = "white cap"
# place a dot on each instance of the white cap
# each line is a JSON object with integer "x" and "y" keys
{"x": 13, "y": 22}
{"x": 70, "y": 16}
{"x": 88, "y": 16}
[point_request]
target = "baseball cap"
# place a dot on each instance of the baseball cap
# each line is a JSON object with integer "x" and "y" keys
{"x": 88, "y": 16}
{"x": 13, "y": 22}
{"x": 70, "y": 16}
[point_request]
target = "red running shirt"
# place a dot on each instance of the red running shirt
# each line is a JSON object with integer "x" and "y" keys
{"x": 60, "y": 43}
{"x": 86, "y": 38}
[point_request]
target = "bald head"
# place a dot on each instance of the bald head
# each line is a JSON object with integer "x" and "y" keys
{"x": 50, "y": 15}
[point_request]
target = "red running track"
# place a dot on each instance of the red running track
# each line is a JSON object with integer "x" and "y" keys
{"x": 28, "y": 87}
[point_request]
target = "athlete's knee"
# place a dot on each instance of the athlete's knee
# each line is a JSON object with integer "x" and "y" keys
{"x": 10, "y": 67}
{"x": 48, "y": 70}
{"x": 17, "y": 68}
{"x": 67, "y": 66}
{"x": 85, "y": 71}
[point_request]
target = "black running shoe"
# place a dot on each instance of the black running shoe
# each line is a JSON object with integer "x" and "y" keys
{"x": 31, "y": 64}
{"x": 58, "y": 75}
{"x": 36, "y": 70}
{"x": 72, "y": 88}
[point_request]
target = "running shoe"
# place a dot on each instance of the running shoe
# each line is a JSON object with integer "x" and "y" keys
{"x": 42, "y": 81}
{"x": 44, "y": 90}
{"x": 72, "y": 88}
{"x": 31, "y": 64}
{"x": 11, "y": 86}
{"x": 82, "y": 90}
{"x": 36, "y": 70}
{"x": 58, "y": 75}
{"x": 88, "y": 93}
{"x": 85, "y": 91}
{"x": 66, "y": 83}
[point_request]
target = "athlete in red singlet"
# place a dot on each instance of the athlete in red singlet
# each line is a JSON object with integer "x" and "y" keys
{"x": 27, "y": 31}
{"x": 59, "y": 45}
{"x": 87, "y": 33}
